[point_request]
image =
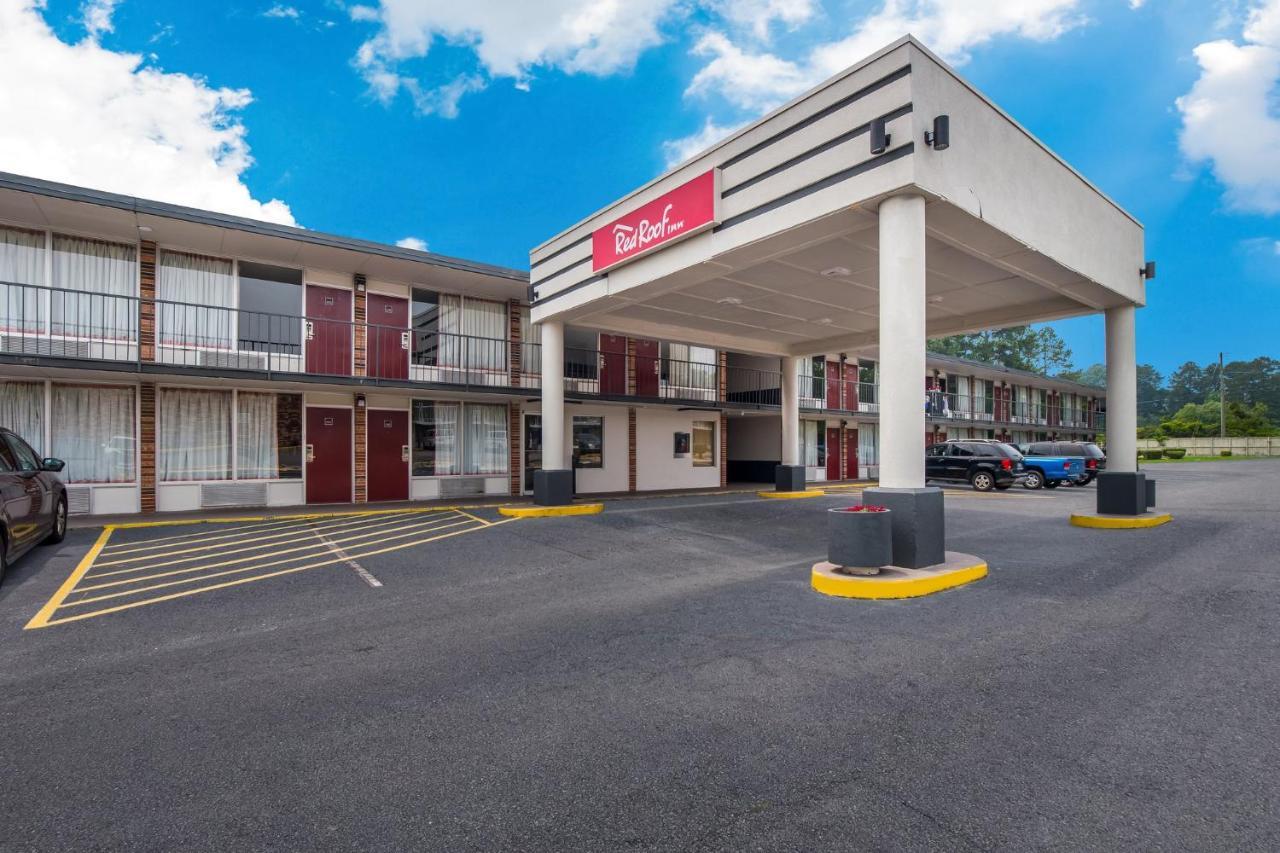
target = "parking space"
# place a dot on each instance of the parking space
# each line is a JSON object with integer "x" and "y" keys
{"x": 140, "y": 565}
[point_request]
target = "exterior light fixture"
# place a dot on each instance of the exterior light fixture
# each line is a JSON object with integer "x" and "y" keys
{"x": 879, "y": 138}
{"x": 940, "y": 136}
{"x": 729, "y": 300}
{"x": 835, "y": 272}
{"x": 359, "y": 401}
{"x": 1149, "y": 271}
{"x": 144, "y": 229}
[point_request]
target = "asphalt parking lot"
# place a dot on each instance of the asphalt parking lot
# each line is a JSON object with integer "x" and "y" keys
{"x": 657, "y": 677}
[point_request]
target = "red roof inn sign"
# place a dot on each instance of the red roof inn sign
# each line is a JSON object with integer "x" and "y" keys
{"x": 689, "y": 209}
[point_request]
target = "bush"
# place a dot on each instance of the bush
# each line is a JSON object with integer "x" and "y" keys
{"x": 1175, "y": 452}
{"x": 1224, "y": 452}
{"x": 1155, "y": 453}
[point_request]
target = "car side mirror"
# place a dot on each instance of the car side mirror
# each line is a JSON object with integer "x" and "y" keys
{"x": 54, "y": 465}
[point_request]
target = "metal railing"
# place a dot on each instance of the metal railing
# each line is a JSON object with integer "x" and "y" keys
{"x": 73, "y": 324}
{"x": 593, "y": 371}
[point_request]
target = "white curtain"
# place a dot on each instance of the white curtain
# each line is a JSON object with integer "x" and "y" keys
{"x": 194, "y": 435}
{"x": 195, "y": 281}
{"x": 702, "y": 370}
{"x": 485, "y": 325}
{"x": 22, "y": 410}
{"x": 530, "y": 345}
{"x": 93, "y": 432}
{"x": 257, "y": 457}
{"x": 809, "y": 442}
{"x": 450, "y": 330}
{"x": 103, "y": 277}
{"x": 21, "y": 263}
{"x": 868, "y": 452}
{"x": 678, "y": 365}
{"x": 485, "y": 440}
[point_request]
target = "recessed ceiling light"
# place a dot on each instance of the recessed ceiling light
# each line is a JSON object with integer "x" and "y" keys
{"x": 836, "y": 271}
{"x": 729, "y": 300}
{"x": 935, "y": 299}
{"x": 823, "y": 321}
{"x": 145, "y": 229}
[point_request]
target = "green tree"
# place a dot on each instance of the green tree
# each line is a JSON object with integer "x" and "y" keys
{"x": 1202, "y": 420}
{"x": 1094, "y": 374}
{"x": 1018, "y": 347}
{"x": 1191, "y": 383}
{"x": 1256, "y": 381}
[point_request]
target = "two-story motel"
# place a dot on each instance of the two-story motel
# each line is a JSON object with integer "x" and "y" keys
{"x": 179, "y": 359}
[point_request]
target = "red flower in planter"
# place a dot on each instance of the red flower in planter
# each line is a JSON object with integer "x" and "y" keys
{"x": 865, "y": 508}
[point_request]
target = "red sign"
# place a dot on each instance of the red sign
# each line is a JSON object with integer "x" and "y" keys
{"x": 689, "y": 209}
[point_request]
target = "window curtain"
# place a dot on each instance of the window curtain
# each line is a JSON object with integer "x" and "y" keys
{"x": 678, "y": 365}
{"x": 257, "y": 456}
{"x": 485, "y": 325}
{"x": 702, "y": 370}
{"x": 194, "y": 435}
{"x": 93, "y": 432}
{"x": 485, "y": 440}
{"x": 450, "y": 330}
{"x": 809, "y": 442}
{"x": 102, "y": 277}
{"x": 21, "y": 280}
{"x": 530, "y": 345}
{"x": 184, "y": 285}
{"x": 435, "y": 438}
{"x": 22, "y": 410}
{"x": 867, "y": 444}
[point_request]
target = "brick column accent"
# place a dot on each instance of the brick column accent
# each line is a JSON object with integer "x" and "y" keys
{"x": 631, "y": 377}
{"x": 147, "y": 447}
{"x": 513, "y": 345}
{"x": 361, "y": 440}
{"x": 631, "y": 444}
{"x": 359, "y": 333}
{"x": 722, "y": 383}
{"x": 147, "y": 303}
{"x": 724, "y": 450}
{"x": 844, "y": 446}
{"x": 514, "y": 447}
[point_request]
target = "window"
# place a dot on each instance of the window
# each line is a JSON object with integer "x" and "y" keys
{"x": 194, "y": 435}
{"x": 96, "y": 282}
{"x": 581, "y": 360}
{"x": 93, "y": 432}
{"x": 197, "y": 298}
{"x": 485, "y": 439}
{"x": 937, "y": 450}
{"x": 268, "y": 436}
{"x": 22, "y": 410}
{"x": 27, "y": 459}
{"x": 588, "y": 442}
{"x": 813, "y": 443}
{"x": 686, "y": 366}
{"x": 435, "y": 438}
{"x": 8, "y": 462}
{"x": 704, "y": 442}
{"x": 812, "y": 379}
{"x": 270, "y": 315}
{"x": 22, "y": 271}
{"x": 456, "y": 331}
{"x": 867, "y": 384}
{"x": 868, "y": 444}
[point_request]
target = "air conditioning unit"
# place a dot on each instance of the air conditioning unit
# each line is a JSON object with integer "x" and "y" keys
{"x": 461, "y": 487}
{"x": 233, "y": 360}
{"x": 79, "y": 500}
{"x": 232, "y": 494}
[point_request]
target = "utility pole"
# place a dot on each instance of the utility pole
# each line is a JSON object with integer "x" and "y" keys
{"x": 1222, "y": 400}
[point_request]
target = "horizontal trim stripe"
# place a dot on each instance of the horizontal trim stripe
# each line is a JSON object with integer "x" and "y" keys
{"x": 571, "y": 288}
{"x": 558, "y": 252}
{"x": 815, "y": 151}
{"x": 558, "y": 273}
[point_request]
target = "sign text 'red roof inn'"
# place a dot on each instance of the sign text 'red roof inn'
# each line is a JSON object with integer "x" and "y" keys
{"x": 688, "y": 209}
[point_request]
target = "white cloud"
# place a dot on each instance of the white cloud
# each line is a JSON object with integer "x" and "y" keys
{"x": 279, "y": 10}
{"x": 677, "y": 151}
{"x": 758, "y": 15}
{"x": 412, "y": 243}
{"x": 96, "y": 15}
{"x": 749, "y": 81}
{"x": 510, "y": 38}
{"x": 1228, "y": 117}
{"x": 94, "y": 117}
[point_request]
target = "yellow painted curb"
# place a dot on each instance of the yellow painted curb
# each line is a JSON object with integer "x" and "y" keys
{"x": 550, "y": 511}
{"x": 893, "y": 586}
{"x": 1121, "y": 522}
{"x": 790, "y": 496}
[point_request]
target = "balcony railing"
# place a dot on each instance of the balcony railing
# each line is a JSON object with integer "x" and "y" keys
{"x": 593, "y": 371}
{"x": 58, "y": 323}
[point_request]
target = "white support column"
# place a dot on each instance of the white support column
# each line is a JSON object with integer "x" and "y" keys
{"x": 790, "y": 411}
{"x": 902, "y": 341}
{"x": 1122, "y": 390}
{"x": 553, "y": 436}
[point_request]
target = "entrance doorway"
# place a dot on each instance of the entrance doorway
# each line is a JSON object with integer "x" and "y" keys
{"x": 647, "y": 368}
{"x": 388, "y": 455}
{"x": 532, "y": 448}
{"x": 388, "y": 318}
{"x": 328, "y": 331}
{"x": 328, "y": 455}
{"x": 851, "y": 454}
{"x": 613, "y": 364}
{"x": 833, "y": 452}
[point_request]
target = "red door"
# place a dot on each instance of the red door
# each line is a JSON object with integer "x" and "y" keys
{"x": 833, "y": 453}
{"x": 388, "y": 319}
{"x": 647, "y": 365}
{"x": 833, "y": 385}
{"x": 851, "y": 387}
{"x": 851, "y": 454}
{"x": 328, "y": 331}
{"x": 388, "y": 456}
{"x": 613, "y": 364}
{"x": 328, "y": 455}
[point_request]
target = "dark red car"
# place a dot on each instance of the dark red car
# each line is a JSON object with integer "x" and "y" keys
{"x": 34, "y": 500}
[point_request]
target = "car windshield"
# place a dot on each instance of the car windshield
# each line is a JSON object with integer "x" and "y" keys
{"x": 1009, "y": 451}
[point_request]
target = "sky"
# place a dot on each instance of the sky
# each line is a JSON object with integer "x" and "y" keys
{"x": 480, "y": 128}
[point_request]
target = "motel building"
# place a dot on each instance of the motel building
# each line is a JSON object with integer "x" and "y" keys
{"x": 756, "y": 315}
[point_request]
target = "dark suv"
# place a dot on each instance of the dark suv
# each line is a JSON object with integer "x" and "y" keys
{"x": 33, "y": 502}
{"x": 982, "y": 463}
{"x": 1094, "y": 459}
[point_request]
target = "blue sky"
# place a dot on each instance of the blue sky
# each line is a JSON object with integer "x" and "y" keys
{"x": 482, "y": 129}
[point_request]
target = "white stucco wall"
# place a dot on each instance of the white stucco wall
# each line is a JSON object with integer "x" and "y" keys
{"x": 656, "y": 466}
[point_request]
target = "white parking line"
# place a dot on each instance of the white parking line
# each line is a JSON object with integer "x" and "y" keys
{"x": 336, "y": 549}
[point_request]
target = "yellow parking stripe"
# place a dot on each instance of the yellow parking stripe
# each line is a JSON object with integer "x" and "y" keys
{"x": 319, "y": 543}
{"x": 304, "y": 531}
{"x": 42, "y": 618}
{"x": 169, "y": 597}
{"x": 476, "y": 517}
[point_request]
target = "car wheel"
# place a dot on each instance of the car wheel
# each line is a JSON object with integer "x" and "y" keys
{"x": 1033, "y": 481}
{"x": 1052, "y": 484}
{"x": 982, "y": 481}
{"x": 59, "y": 531}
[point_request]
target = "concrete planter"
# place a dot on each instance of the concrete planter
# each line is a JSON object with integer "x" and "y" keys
{"x": 859, "y": 542}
